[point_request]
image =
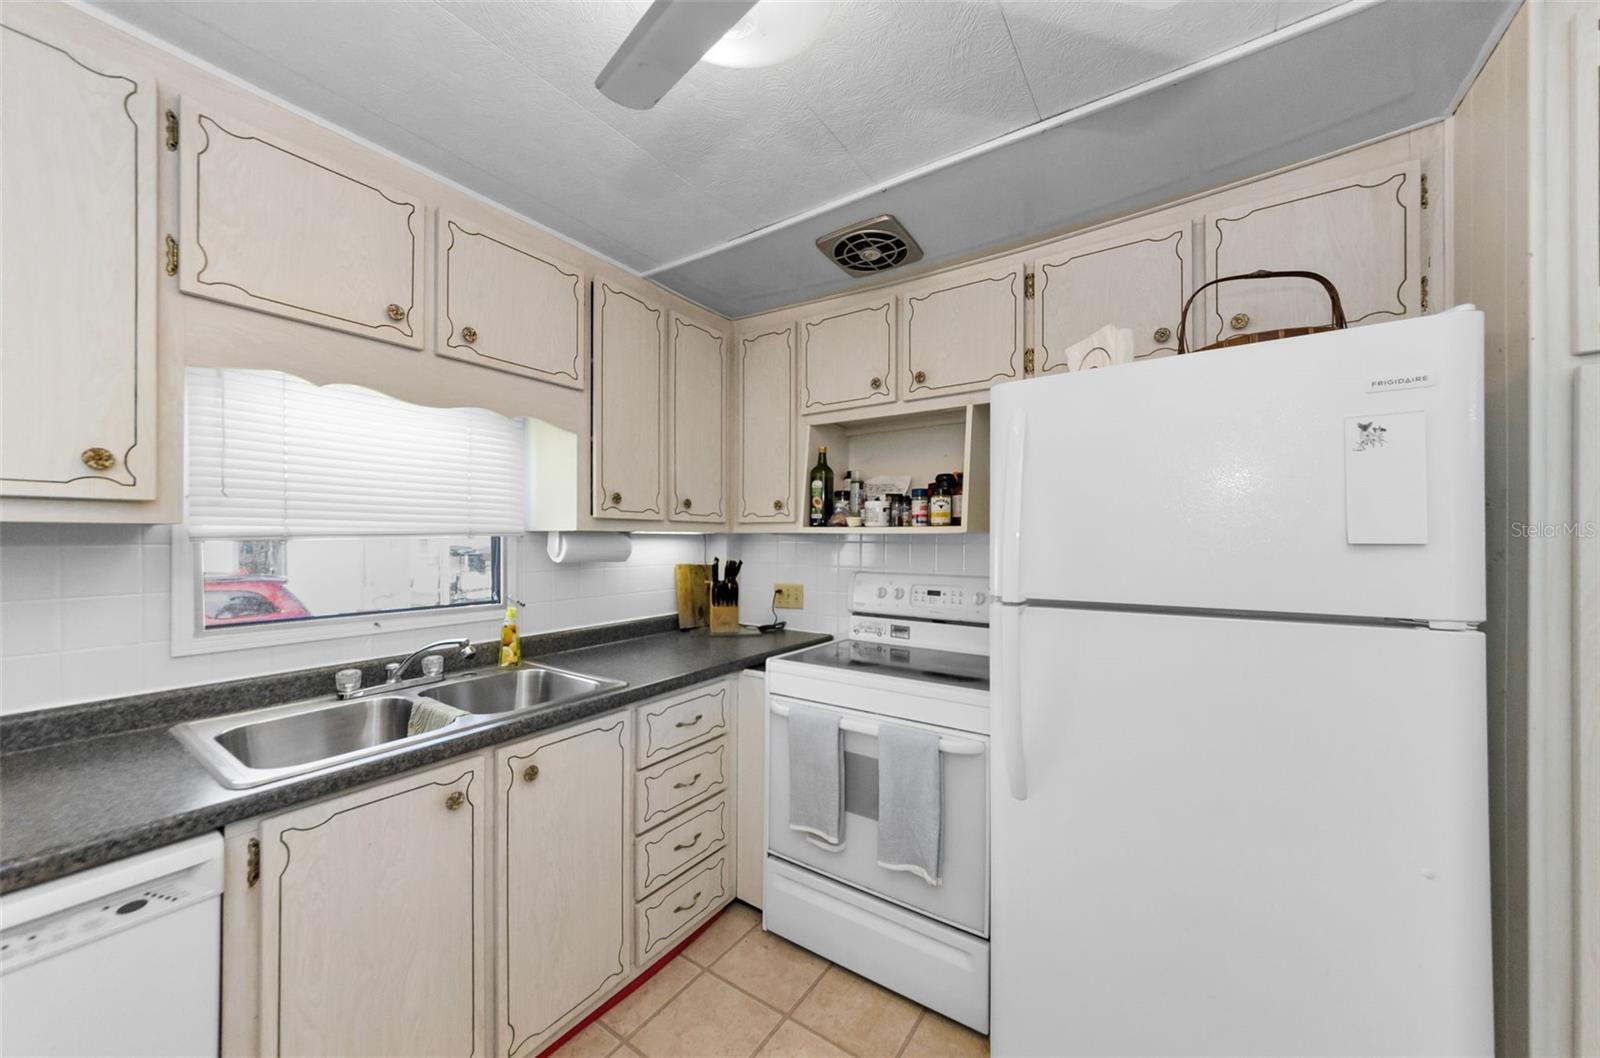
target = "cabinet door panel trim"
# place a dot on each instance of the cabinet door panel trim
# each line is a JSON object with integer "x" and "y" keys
{"x": 1399, "y": 179}
{"x": 913, "y": 386}
{"x": 648, "y": 734}
{"x": 1182, "y": 293}
{"x": 143, "y": 278}
{"x": 678, "y": 510}
{"x": 288, "y": 854}
{"x": 513, "y": 764}
{"x": 604, "y": 492}
{"x": 885, "y": 394}
{"x": 452, "y": 332}
{"x": 203, "y": 124}
{"x": 786, "y": 511}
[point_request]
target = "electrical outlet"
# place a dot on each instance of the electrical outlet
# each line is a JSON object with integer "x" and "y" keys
{"x": 788, "y": 596}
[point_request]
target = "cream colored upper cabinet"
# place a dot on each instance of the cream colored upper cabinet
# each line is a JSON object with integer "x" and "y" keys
{"x": 267, "y": 225}
{"x": 563, "y": 845}
{"x": 766, "y": 427}
{"x": 510, "y": 307}
{"x": 697, "y": 367}
{"x": 372, "y": 912}
{"x": 1363, "y": 233}
{"x": 629, "y": 335}
{"x": 1136, "y": 280}
{"x": 847, "y": 355}
{"x": 77, "y": 278}
{"x": 962, "y": 330}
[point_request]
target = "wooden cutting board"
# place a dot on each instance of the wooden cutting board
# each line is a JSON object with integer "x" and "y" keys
{"x": 694, "y": 594}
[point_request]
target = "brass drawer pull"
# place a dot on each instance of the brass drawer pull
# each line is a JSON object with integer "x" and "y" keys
{"x": 920, "y": 377}
{"x": 455, "y": 800}
{"x": 1162, "y": 334}
{"x": 688, "y": 504}
{"x": 777, "y": 505}
{"x": 469, "y": 334}
{"x": 687, "y": 907}
{"x": 877, "y": 383}
{"x": 98, "y": 458}
{"x": 616, "y": 499}
{"x": 1240, "y": 320}
{"x": 686, "y": 785}
{"x": 395, "y": 312}
{"x": 530, "y": 773}
{"x": 691, "y": 843}
{"x": 690, "y": 723}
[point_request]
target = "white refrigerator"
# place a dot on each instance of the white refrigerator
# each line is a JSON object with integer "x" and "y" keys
{"x": 1240, "y": 772}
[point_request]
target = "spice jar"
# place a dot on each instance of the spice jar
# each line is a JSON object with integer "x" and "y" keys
{"x": 919, "y": 506}
{"x": 841, "y": 509}
{"x": 940, "y": 503}
{"x": 875, "y": 513}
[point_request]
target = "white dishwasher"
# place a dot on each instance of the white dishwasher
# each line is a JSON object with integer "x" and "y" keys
{"x": 124, "y": 959}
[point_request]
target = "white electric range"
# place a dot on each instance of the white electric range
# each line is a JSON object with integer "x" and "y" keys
{"x": 917, "y": 654}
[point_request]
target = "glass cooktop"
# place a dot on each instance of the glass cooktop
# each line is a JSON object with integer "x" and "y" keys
{"x": 912, "y": 663}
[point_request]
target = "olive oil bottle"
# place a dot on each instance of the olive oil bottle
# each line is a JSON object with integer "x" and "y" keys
{"x": 821, "y": 489}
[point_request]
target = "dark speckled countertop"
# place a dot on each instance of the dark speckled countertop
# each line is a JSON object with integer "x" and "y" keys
{"x": 80, "y": 803}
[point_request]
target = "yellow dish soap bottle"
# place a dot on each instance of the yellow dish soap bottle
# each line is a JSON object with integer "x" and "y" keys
{"x": 510, "y": 642}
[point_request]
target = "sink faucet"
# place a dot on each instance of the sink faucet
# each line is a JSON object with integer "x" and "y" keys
{"x": 395, "y": 671}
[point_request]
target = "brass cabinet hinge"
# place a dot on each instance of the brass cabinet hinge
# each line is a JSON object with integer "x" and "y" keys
{"x": 1424, "y": 293}
{"x": 1027, "y": 362}
{"x": 1424, "y": 202}
{"x": 252, "y": 863}
{"x": 172, "y": 130}
{"x": 172, "y": 256}
{"x": 1027, "y": 285}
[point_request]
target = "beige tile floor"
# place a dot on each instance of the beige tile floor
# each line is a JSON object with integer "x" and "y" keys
{"x": 737, "y": 992}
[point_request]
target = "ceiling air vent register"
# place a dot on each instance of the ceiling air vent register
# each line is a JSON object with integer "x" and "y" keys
{"x": 870, "y": 246}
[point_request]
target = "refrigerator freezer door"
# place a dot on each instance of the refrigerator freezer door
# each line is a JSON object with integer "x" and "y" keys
{"x": 1241, "y": 837}
{"x": 1242, "y": 480}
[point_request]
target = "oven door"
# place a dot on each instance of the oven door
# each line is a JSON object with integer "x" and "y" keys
{"x": 963, "y": 897}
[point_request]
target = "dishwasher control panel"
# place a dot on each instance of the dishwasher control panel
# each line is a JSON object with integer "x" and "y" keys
{"x": 42, "y": 938}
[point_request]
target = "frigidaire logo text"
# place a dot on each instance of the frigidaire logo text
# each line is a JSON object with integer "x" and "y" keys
{"x": 1400, "y": 380}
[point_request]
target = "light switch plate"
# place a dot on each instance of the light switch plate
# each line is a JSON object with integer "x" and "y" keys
{"x": 788, "y": 596}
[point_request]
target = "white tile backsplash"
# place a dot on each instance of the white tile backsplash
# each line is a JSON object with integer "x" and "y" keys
{"x": 85, "y": 611}
{"x": 828, "y": 565}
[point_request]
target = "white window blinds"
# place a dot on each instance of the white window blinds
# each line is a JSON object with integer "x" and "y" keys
{"x": 271, "y": 455}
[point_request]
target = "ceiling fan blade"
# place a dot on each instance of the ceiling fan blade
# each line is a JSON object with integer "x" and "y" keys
{"x": 670, "y": 38}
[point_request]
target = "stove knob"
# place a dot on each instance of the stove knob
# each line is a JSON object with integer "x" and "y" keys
{"x": 882, "y": 592}
{"x": 981, "y": 598}
{"x": 899, "y": 593}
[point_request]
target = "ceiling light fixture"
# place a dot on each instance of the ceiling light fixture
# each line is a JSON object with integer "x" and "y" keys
{"x": 773, "y": 31}
{"x": 667, "y": 42}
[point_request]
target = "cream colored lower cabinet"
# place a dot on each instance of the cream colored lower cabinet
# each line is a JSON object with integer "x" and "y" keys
{"x": 481, "y": 907}
{"x": 369, "y": 914}
{"x": 562, "y": 857}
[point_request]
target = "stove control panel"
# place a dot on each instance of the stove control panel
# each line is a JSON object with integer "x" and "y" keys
{"x": 927, "y": 596}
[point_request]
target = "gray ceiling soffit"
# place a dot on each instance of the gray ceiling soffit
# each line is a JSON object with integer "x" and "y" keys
{"x": 1380, "y": 70}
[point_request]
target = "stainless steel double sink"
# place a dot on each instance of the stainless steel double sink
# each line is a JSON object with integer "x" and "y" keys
{"x": 265, "y": 745}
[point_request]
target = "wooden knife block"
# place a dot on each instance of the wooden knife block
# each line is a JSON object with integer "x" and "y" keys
{"x": 725, "y": 620}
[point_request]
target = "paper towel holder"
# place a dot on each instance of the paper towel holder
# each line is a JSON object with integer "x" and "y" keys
{"x": 588, "y": 547}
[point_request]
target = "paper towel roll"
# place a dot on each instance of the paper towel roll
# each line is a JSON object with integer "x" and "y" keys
{"x": 589, "y": 547}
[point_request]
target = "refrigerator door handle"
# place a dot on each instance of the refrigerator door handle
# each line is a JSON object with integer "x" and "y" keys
{"x": 1009, "y": 535}
{"x": 1007, "y": 685}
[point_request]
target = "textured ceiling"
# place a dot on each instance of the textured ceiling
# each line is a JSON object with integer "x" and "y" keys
{"x": 500, "y": 97}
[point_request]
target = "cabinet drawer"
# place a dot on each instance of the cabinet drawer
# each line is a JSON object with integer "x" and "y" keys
{"x": 662, "y": 790}
{"x": 675, "y": 724}
{"x": 661, "y": 854}
{"x": 667, "y": 917}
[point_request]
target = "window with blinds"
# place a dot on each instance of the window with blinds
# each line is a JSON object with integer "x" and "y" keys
{"x": 307, "y": 502}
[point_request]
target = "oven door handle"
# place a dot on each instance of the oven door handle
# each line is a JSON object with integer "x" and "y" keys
{"x": 955, "y": 747}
